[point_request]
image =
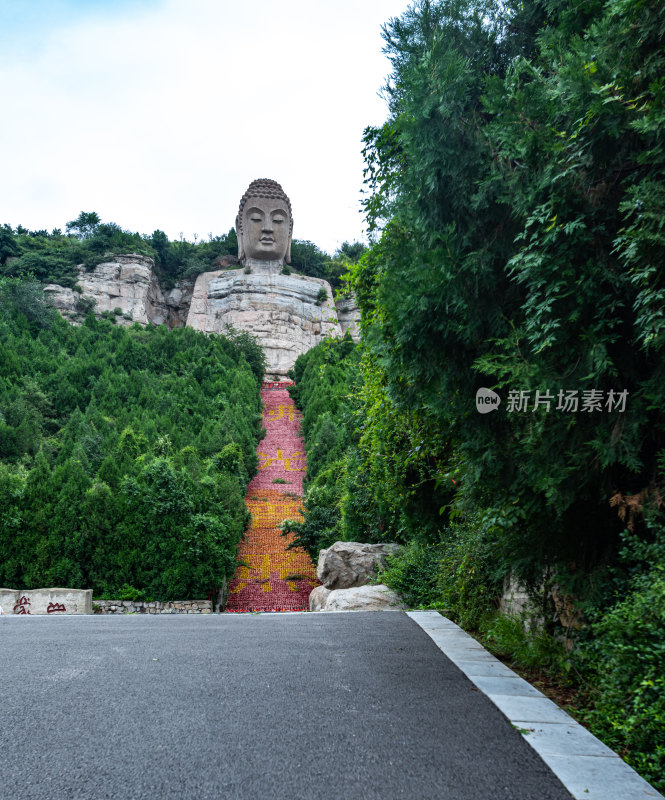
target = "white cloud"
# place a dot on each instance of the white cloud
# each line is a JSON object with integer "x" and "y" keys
{"x": 161, "y": 118}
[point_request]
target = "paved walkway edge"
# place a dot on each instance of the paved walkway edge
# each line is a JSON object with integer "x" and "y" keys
{"x": 585, "y": 766}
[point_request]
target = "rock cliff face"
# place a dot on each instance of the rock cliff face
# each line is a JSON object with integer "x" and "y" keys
{"x": 287, "y": 313}
{"x": 127, "y": 283}
{"x": 348, "y": 315}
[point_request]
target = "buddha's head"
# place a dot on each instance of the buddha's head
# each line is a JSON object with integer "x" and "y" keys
{"x": 264, "y": 223}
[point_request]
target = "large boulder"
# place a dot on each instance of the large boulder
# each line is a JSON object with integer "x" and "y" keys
{"x": 348, "y": 564}
{"x": 357, "y": 598}
{"x": 318, "y": 597}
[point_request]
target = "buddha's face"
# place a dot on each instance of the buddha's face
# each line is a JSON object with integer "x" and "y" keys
{"x": 266, "y": 229}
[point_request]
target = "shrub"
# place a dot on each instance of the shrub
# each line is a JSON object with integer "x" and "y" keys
{"x": 413, "y": 574}
{"x": 624, "y": 659}
{"x": 533, "y": 648}
{"x": 457, "y": 574}
{"x": 84, "y": 305}
{"x": 470, "y": 581}
{"x": 126, "y": 592}
{"x": 314, "y": 534}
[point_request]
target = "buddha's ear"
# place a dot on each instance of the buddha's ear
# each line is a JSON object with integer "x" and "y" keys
{"x": 241, "y": 249}
{"x": 288, "y": 247}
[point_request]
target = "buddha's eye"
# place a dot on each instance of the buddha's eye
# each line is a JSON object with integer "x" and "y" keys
{"x": 278, "y": 220}
{"x": 255, "y": 218}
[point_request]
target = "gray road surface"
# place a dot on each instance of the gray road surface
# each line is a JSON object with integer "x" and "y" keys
{"x": 276, "y": 707}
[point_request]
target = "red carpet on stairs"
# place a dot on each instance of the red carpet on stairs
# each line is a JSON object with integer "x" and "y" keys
{"x": 270, "y": 577}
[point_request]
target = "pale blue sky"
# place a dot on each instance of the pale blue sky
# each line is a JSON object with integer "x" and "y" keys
{"x": 158, "y": 113}
{"x": 30, "y": 20}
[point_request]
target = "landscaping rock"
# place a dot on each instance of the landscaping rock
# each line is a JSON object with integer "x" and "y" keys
{"x": 361, "y": 598}
{"x": 348, "y": 564}
{"x": 318, "y": 597}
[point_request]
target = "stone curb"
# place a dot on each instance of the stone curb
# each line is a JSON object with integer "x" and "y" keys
{"x": 585, "y": 766}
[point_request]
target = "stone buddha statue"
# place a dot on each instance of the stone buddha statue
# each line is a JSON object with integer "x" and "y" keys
{"x": 284, "y": 312}
{"x": 264, "y": 225}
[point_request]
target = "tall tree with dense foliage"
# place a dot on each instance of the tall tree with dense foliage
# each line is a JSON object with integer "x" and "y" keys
{"x": 520, "y": 174}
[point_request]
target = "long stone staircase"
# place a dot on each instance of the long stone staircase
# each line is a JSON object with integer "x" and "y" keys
{"x": 270, "y": 577}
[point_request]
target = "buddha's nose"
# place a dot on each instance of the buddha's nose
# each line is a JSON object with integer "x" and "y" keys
{"x": 267, "y": 225}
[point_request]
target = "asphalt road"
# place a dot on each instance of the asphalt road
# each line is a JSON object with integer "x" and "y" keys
{"x": 278, "y": 707}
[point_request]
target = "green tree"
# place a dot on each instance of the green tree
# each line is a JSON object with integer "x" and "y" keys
{"x": 8, "y": 245}
{"x": 85, "y": 225}
{"x": 516, "y": 196}
{"x": 524, "y": 263}
{"x": 351, "y": 250}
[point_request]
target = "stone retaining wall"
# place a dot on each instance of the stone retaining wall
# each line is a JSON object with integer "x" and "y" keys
{"x": 156, "y": 607}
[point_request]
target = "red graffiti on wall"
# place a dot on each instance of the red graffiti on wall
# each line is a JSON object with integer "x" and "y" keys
{"x": 22, "y": 606}
{"x": 52, "y": 608}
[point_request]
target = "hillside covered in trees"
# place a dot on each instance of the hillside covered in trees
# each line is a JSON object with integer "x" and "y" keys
{"x": 124, "y": 452}
{"x": 516, "y": 195}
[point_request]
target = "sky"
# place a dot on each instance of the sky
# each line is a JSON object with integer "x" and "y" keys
{"x": 159, "y": 113}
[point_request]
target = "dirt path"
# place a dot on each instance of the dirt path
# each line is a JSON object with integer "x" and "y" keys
{"x": 270, "y": 577}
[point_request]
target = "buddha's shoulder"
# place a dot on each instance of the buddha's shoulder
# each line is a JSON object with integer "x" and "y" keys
{"x": 251, "y": 276}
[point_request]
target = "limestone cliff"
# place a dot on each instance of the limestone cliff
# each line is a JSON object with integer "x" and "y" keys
{"x": 128, "y": 283}
{"x": 285, "y": 312}
{"x": 348, "y": 315}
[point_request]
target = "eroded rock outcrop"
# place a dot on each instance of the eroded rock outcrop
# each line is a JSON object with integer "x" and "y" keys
{"x": 348, "y": 315}
{"x": 287, "y": 313}
{"x": 128, "y": 286}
